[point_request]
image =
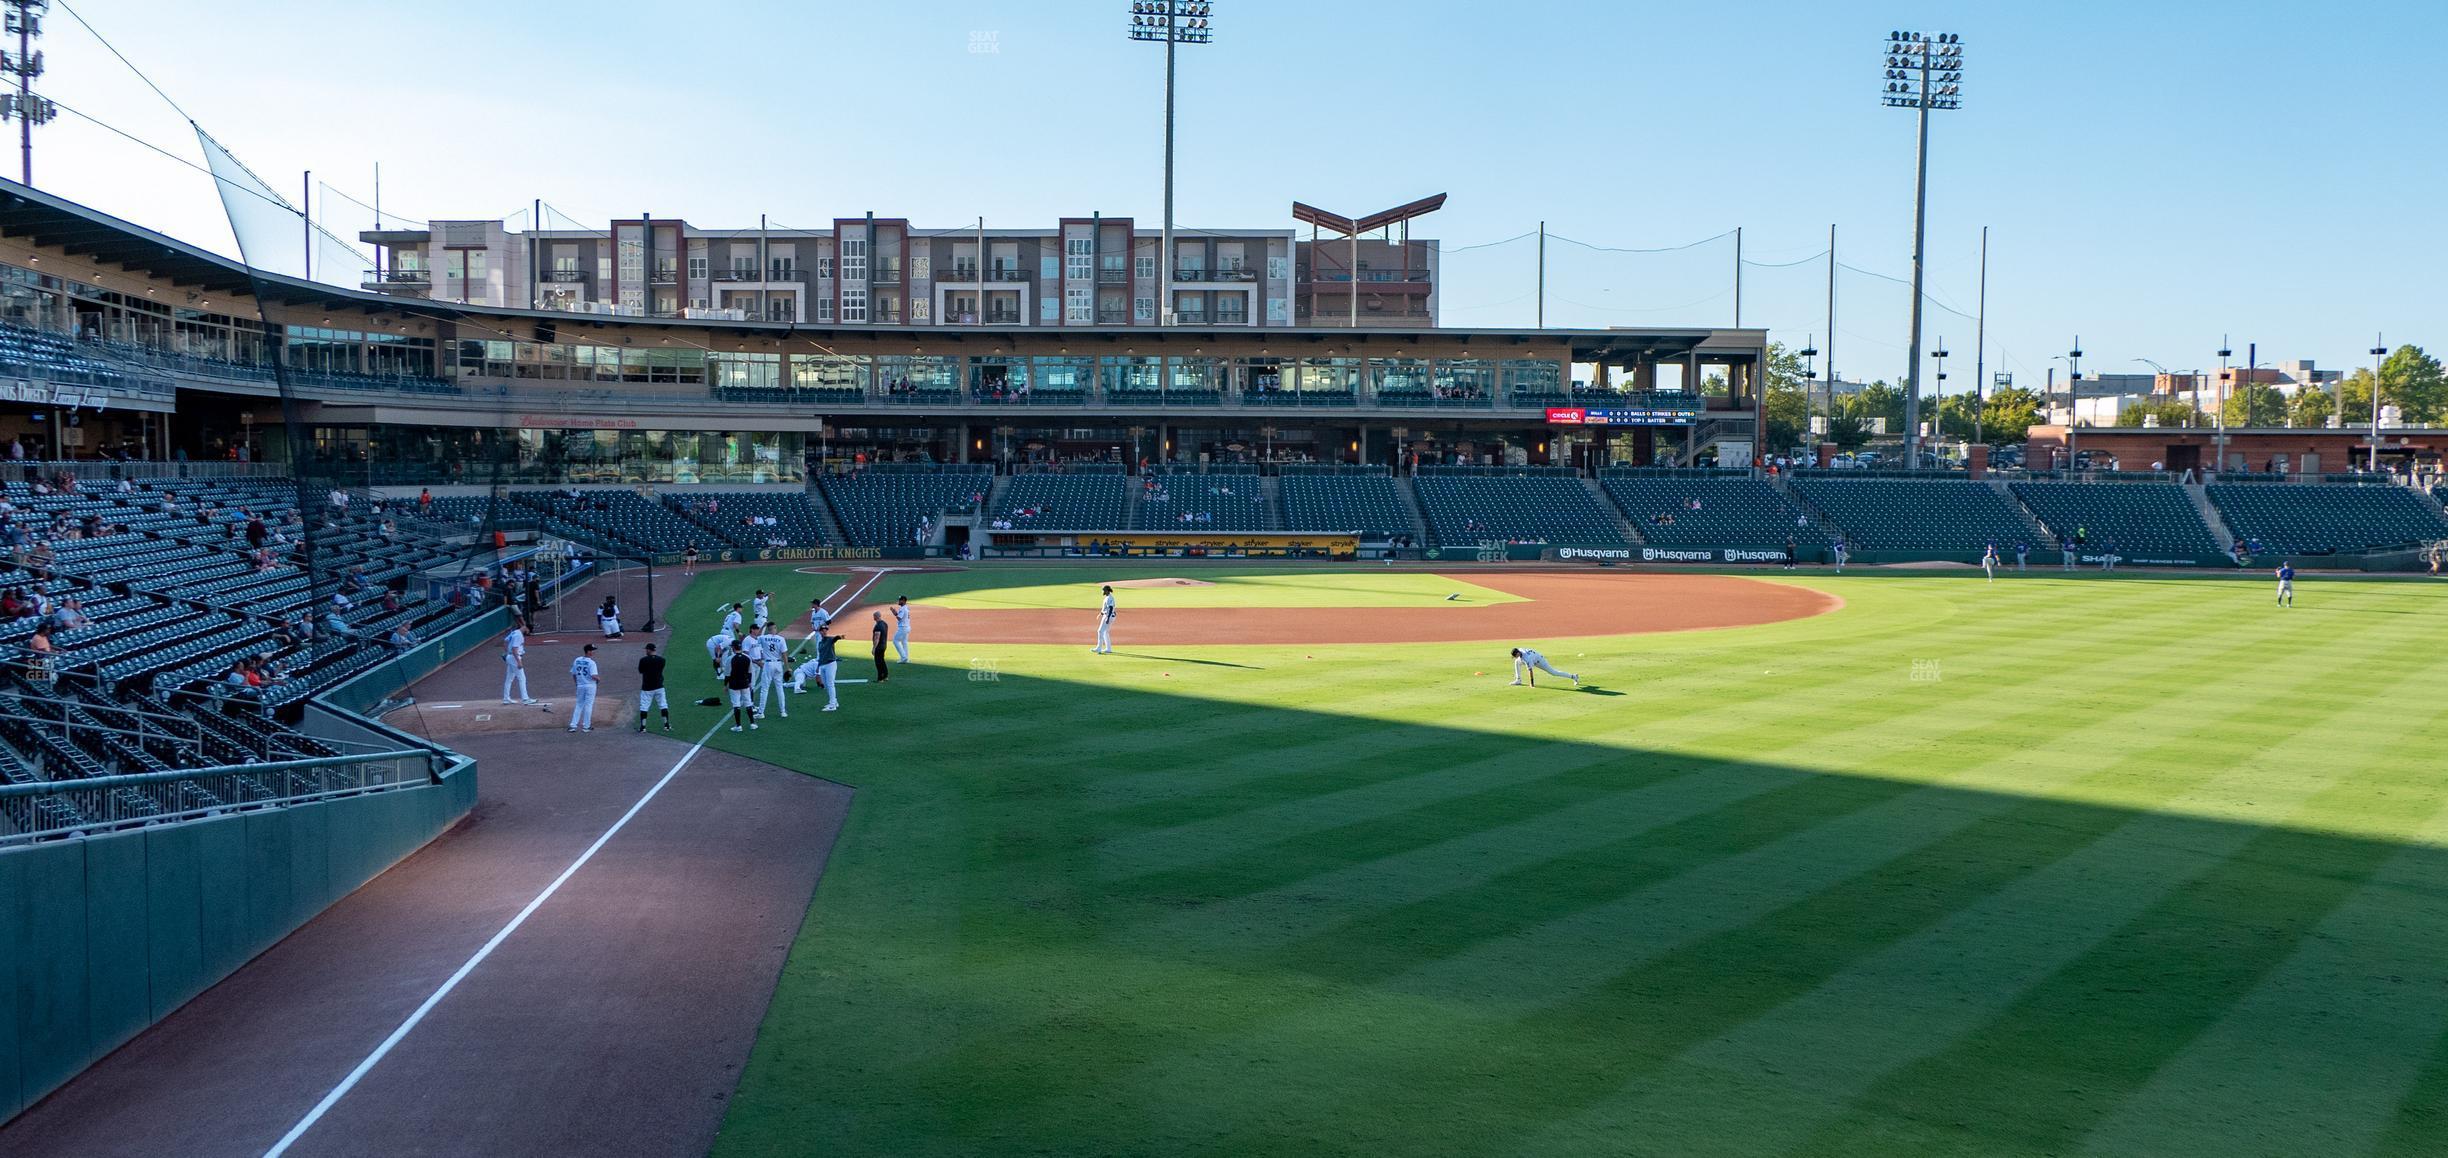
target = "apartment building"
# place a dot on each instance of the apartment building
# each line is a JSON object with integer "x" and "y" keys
{"x": 1092, "y": 271}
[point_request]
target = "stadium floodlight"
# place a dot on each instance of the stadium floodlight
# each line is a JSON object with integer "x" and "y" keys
{"x": 1171, "y": 22}
{"x": 1924, "y": 72}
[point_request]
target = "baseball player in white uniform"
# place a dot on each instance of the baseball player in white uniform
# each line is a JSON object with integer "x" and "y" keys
{"x": 514, "y": 666}
{"x": 731, "y": 620}
{"x": 753, "y": 643}
{"x": 1105, "y": 616}
{"x": 758, "y": 606}
{"x": 1528, "y": 662}
{"x": 774, "y": 660}
{"x": 587, "y": 676}
{"x": 901, "y": 618}
{"x": 718, "y": 645}
{"x": 818, "y": 616}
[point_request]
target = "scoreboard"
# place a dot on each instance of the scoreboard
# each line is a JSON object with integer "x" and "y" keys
{"x": 1661, "y": 413}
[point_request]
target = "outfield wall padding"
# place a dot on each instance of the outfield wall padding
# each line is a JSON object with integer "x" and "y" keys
{"x": 102, "y": 936}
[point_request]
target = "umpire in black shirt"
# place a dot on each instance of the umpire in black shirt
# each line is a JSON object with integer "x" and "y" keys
{"x": 881, "y": 634}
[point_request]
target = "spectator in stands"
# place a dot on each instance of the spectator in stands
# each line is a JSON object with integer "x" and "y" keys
{"x": 69, "y": 615}
{"x": 339, "y": 601}
{"x": 236, "y": 686}
{"x": 390, "y": 600}
{"x": 336, "y": 627}
{"x": 425, "y": 501}
{"x": 354, "y": 581}
{"x": 257, "y": 534}
{"x": 16, "y": 448}
{"x": 40, "y": 655}
{"x": 38, "y": 560}
{"x": 399, "y": 639}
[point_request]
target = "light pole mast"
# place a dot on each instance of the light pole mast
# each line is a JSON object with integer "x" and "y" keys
{"x": 2379, "y": 351}
{"x": 1174, "y": 22}
{"x": 24, "y": 19}
{"x": 1924, "y": 72}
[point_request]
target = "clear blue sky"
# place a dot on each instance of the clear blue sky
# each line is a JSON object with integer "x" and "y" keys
{"x": 2154, "y": 175}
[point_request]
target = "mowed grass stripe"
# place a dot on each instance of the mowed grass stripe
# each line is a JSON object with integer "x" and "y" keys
{"x": 2321, "y": 1056}
{"x": 1296, "y": 1020}
{"x": 1268, "y": 828}
{"x": 1803, "y": 1063}
{"x": 1711, "y": 683}
{"x": 1405, "y": 880}
{"x": 1510, "y": 895}
{"x": 1016, "y": 1000}
{"x": 1589, "y": 1041}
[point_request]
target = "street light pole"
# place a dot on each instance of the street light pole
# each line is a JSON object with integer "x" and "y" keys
{"x": 2379, "y": 351}
{"x": 1938, "y": 393}
{"x": 1980, "y": 346}
{"x": 1923, "y": 73}
{"x": 2073, "y": 399}
{"x": 2225, "y": 376}
{"x": 1174, "y": 22}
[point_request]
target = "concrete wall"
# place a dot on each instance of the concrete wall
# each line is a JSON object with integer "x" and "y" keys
{"x": 102, "y": 936}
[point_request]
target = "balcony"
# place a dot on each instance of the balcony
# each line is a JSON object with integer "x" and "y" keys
{"x": 1113, "y": 315}
{"x": 1189, "y": 317}
{"x": 665, "y": 275}
{"x": 1367, "y": 276}
{"x": 562, "y": 276}
{"x": 1190, "y": 273}
{"x": 1113, "y": 276}
{"x": 886, "y": 275}
{"x": 957, "y": 273}
{"x": 1232, "y": 317}
{"x": 1007, "y": 273}
{"x": 380, "y": 278}
{"x": 1002, "y": 317}
{"x": 749, "y": 273}
{"x": 1233, "y": 273}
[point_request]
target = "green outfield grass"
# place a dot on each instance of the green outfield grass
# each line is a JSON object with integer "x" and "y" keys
{"x": 2049, "y": 866}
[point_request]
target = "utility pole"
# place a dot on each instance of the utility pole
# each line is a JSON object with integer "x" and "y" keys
{"x": 1831, "y": 324}
{"x": 2379, "y": 351}
{"x": 2225, "y": 352}
{"x": 306, "y": 221}
{"x": 1980, "y": 347}
{"x": 1738, "y": 277}
{"x": 28, "y": 110}
{"x": 1542, "y": 276}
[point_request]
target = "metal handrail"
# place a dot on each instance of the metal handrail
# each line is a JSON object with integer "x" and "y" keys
{"x": 105, "y": 803}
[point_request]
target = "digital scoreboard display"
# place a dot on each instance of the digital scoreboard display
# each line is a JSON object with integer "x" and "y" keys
{"x": 1667, "y": 413}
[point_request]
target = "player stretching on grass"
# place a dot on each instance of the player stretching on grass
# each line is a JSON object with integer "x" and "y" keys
{"x": 1528, "y": 662}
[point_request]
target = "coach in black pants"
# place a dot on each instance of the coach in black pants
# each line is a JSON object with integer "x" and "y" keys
{"x": 881, "y": 634}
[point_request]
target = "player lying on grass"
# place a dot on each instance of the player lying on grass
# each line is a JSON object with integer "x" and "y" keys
{"x": 1529, "y": 662}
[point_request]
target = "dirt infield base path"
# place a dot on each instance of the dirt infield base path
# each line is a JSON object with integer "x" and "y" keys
{"x": 1554, "y": 604}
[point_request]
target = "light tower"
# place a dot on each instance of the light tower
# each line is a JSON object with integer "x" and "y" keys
{"x": 24, "y": 21}
{"x": 1924, "y": 72}
{"x": 1172, "y": 22}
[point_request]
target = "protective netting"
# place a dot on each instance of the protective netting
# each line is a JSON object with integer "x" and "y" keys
{"x": 457, "y": 537}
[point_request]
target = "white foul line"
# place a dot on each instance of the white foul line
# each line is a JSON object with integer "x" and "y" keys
{"x": 469, "y": 966}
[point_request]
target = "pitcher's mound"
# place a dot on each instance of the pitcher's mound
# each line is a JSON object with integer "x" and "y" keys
{"x": 1160, "y": 583}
